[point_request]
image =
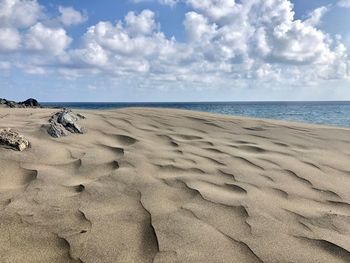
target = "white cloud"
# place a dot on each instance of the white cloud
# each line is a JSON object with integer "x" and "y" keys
{"x": 16, "y": 16}
{"x": 344, "y": 3}
{"x": 264, "y": 30}
{"x": 42, "y": 38}
{"x": 140, "y": 24}
{"x": 132, "y": 45}
{"x": 10, "y": 39}
{"x": 298, "y": 42}
{"x": 197, "y": 27}
{"x": 19, "y": 13}
{"x": 23, "y": 27}
{"x": 92, "y": 55}
{"x": 32, "y": 69}
{"x": 70, "y": 16}
{"x": 215, "y": 9}
{"x": 163, "y": 2}
{"x": 169, "y": 2}
{"x": 316, "y": 15}
{"x": 228, "y": 43}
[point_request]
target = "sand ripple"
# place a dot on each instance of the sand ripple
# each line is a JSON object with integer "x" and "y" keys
{"x": 146, "y": 185}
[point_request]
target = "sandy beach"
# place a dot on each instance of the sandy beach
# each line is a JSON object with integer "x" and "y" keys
{"x": 148, "y": 185}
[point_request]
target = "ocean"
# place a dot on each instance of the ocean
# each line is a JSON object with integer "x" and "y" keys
{"x": 334, "y": 113}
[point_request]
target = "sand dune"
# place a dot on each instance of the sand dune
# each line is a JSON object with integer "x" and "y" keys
{"x": 147, "y": 185}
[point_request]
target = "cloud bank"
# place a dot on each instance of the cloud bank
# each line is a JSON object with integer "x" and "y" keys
{"x": 230, "y": 43}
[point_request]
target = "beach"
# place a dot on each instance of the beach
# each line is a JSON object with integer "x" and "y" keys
{"x": 161, "y": 185}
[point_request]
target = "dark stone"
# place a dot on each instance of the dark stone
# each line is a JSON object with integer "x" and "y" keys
{"x": 80, "y": 188}
{"x": 31, "y": 103}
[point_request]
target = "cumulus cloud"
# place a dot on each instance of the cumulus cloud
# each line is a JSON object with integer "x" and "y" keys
{"x": 198, "y": 28}
{"x": 19, "y": 13}
{"x": 10, "y": 39}
{"x": 126, "y": 46}
{"x": 141, "y": 24}
{"x": 228, "y": 42}
{"x": 69, "y": 16}
{"x": 42, "y": 38}
{"x": 215, "y": 9}
{"x": 15, "y": 17}
{"x": 261, "y": 32}
{"x": 26, "y": 31}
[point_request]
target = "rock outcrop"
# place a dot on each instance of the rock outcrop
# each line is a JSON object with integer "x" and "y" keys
{"x": 32, "y": 103}
{"x": 29, "y": 103}
{"x": 12, "y": 139}
{"x": 63, "y": 123}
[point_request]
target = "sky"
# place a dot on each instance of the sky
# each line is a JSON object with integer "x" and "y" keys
{"x": 174, "y": 50}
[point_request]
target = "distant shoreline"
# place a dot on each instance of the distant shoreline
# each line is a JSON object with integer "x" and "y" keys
{"x": 333, "y": 113}
{"x": 198, "y": 102}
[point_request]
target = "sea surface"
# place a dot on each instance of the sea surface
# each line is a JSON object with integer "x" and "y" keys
{"x": 329, "y": 113}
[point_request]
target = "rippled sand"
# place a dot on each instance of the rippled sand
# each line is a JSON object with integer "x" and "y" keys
{"x": 147, "y": 185}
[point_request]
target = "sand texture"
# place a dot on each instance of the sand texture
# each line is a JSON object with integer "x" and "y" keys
{"x": 147, "y": 185}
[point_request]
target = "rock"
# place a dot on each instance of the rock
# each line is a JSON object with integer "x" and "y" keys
{"x": 64, "y": 122}
{"x": 29, "y": 103}
{"x": 12, "y": 104}
{"x": 33, "y": 103}
{"x": 13, "y": 139}
{"x": 56, "y": 130}
{"x": 69, "y": 120}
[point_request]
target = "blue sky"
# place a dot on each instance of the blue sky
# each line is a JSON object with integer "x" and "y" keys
{"x": 174, "y": 50}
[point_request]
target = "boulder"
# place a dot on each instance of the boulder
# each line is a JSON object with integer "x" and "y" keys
{"x": 56, "y": 130}
{"x": 13, "y": 140}
{"x": 64, "y": 122}
{"x": 69, "y": 120}
{"x": 33, "y": 103}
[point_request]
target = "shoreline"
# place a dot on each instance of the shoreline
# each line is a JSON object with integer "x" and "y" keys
{"x": 238, "y": 117}
{"x": 322, "y": 113}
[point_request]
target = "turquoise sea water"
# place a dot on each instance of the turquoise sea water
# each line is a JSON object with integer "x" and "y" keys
{"x": 329, "y": 113}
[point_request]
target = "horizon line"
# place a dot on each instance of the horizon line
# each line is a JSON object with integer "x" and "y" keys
{"x": 155, "y": 102}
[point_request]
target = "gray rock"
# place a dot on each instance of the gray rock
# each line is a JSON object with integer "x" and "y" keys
{"x": 13, "y": 140}
{"x": 56, "y": 130}
{"x": 63, "y": 123}
{"x": 69, "y": 120}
